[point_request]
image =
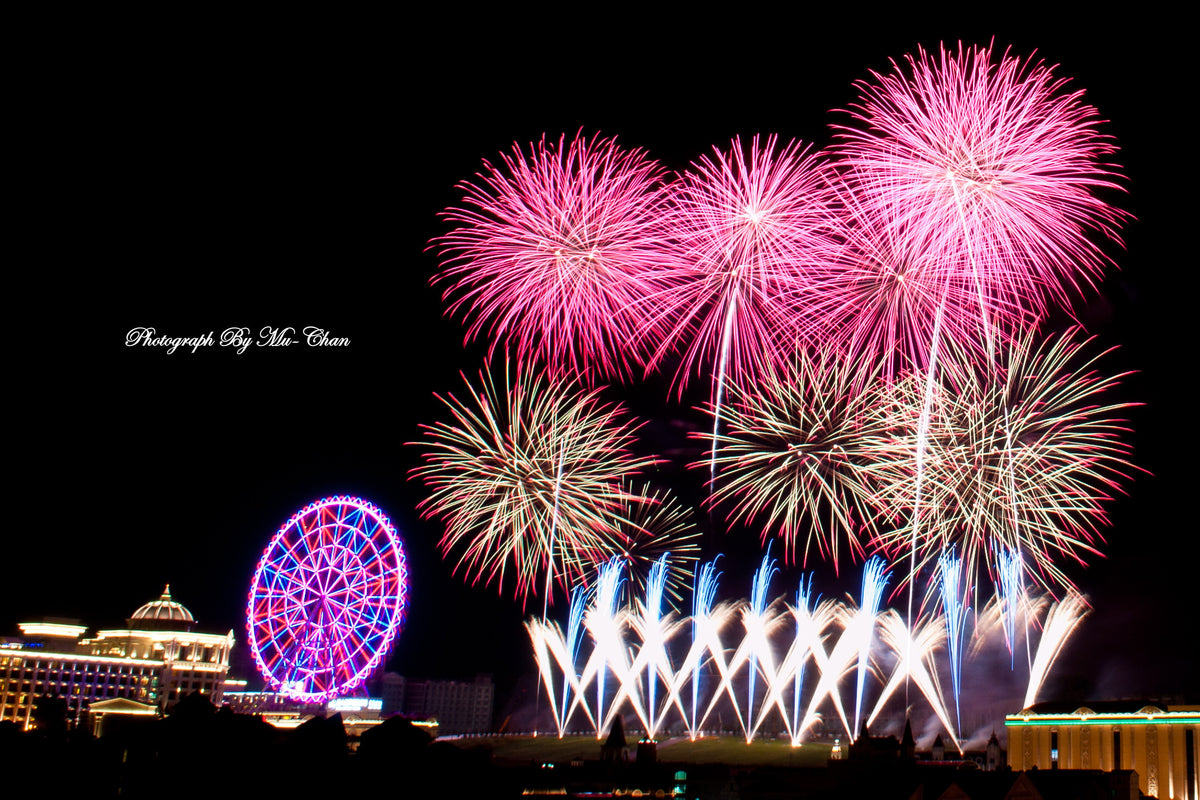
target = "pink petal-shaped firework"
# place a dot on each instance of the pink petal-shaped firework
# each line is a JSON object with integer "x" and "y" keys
{"x": 748, "y": 225}
{"x": 880, "y": 301}
{"x": 551, "y": 252}
{"x": 995, "y": 165}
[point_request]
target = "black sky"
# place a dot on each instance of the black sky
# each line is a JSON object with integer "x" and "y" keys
{"x": 290, "y": 174}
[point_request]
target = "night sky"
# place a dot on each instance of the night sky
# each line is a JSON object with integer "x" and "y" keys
{"x": 290, "y": 174}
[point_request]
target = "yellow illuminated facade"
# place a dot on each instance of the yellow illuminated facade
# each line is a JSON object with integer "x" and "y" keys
{"x": 155, "y": 661}
{"x": 1161, "y": 743}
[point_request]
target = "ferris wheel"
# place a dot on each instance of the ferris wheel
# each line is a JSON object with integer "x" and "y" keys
{"x": 327, "y": 600}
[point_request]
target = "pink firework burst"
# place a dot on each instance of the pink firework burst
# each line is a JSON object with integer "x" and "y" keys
{"x": 748, "y": 224}
{"x": 994, "y": 164}
{"x": 551, "y": 252}
{"x": 889, "y": 289}
{"x": 891, "y": 299}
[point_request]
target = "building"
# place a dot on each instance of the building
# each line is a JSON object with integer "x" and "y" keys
{"x": 458, "y": 706}
{"x": 155, "y": 660}
{"x": 1157, "y": 741}
{"x": 450, "y": 707}
{"x": 275, "y": 708}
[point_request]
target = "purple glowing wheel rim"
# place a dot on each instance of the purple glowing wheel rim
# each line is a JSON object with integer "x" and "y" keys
{"x": 327, "y": 600}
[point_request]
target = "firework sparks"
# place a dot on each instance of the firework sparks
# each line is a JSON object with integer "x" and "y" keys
{"x": 704, "y": 593}
{"x": 1061, "y": 621}
{"x": 997, "y": 166}
{"x": 527, "y": 480}
{"x": 812, "y": 623}
{"x": 869, "y": 328}
{"x": 654, "y": 630}
{"x": 994, "y": 170}
{"x": 747, "y": 225}
{"x": 1023, "y": 460}
{"x": 756, "y": 621}
{"x": 802, "y": 611}
{"x": 551, "y": 252}
{"x": 579, "y": 598}
{"x": 794, "y": 456}
{"x": 651, "y": 523}
{"x": 891, "y": 303}
{"x": 862, "y": 625}
{"x": 550, "y": 648}
{"x": 955, "y": 611}
{"x": 1010, "y": 585}
{"x": 636, "y": 649}
{"x": 916, "y": 648}
{"x": 605, "y": 622}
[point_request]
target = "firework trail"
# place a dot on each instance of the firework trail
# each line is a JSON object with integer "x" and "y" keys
{"x": 1011, "y": 584}
{"x": 802, "y": 611}
{"x": 656, "y": 630}
{"x": 653, "y": 639}
{"x": 549, "y": 647}
{"x": 702, "y": 603}
{"x": 579, "y": 597}
{"x": 605, "y": 627}
{"x": 1061, "y": 621}
{"x": 539, "y": 638}
{"x": 605, "y": 623}
{"x": 755, "y": 621}
{"x": 641, "y": 663}
{"x": 834, "y": 665}
{"x": 795, "y": 456}
{"x": 527, "y": 479}
{"x": 874, "y": 581}
{"x": 916, "y": 647}
{"x": 812, "y": 623}
{"x": 955, "y": 611}
{"x": 748, "y": 223}
{"x": 553, "y": 253}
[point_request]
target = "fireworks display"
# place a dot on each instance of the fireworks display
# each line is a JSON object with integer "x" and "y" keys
{"x": 994, "y": 164}
{"x": 651, "y": 524}
{"x": 643, "y": 651}
{"x": 794, "y": 455}
{"x": 552, "y": 253}
{"x": 872, "y": 319}
{"x": 891, "y": 302}
{"x": 585, "y": 296}
{"x": 748, "y": 224}
{"x": 1019, "y": 461}
{"x": 528, "y": 479}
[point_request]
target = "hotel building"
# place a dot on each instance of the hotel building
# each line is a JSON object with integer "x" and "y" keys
{"x": 1158, "y": 741}
{"x": 140, "y": 669}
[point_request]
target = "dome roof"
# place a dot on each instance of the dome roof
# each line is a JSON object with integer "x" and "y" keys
{"x": 164, "y": 609}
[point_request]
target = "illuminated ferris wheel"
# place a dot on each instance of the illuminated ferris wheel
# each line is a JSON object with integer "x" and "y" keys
{"x": 328, "y": 599}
